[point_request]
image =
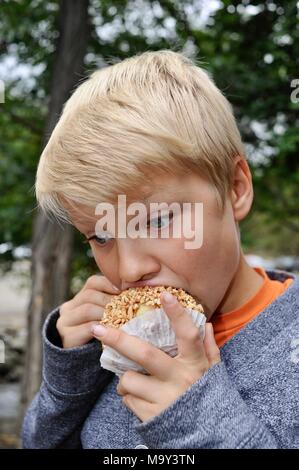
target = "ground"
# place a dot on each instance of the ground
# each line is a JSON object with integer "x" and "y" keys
{"x": 14, "y": 295}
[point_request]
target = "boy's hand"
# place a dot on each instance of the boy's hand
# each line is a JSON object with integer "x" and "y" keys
{"x": 84, "y": 310}
{"x": 148, "y": 396}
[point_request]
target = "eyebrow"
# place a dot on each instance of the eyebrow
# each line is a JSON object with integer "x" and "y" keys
{"x": 168, "y": 192}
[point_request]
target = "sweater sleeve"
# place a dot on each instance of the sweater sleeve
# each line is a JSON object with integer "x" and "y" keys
{"x": 72, "y": 381}
{"x": 210, "y": 414}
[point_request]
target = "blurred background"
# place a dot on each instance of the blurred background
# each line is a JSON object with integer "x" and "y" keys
{"x": 251, "y": 48}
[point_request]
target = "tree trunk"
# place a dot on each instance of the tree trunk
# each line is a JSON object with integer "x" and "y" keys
{"x": 52, "y": 243}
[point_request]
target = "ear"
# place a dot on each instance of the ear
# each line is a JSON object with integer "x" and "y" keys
{"x": 242, "y": 190}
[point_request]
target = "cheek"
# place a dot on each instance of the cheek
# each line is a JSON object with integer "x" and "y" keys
{"x": 106, "y": 261}
{"x": 210, "y": 269}
{"x": 173, "y": 255}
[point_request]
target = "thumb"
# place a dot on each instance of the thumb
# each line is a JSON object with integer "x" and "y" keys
{"x": 211, "y": 348}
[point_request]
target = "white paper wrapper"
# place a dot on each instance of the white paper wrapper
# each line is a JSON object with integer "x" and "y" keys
{"x": 154, "y": 327}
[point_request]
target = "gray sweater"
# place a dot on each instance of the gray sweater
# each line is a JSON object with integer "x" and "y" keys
{"x": 249, "y": 400}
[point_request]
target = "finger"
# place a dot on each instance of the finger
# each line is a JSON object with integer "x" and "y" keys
{"x": 100, "y": 283}
{"x": 155, "y": 361}
{"x": 139, "y": 385}
{"x": 210, "y": 345}
{"x": 188, "y": 338}
{"x": 75, "y": 336}
{"x": 92, "y": 296}
{"x": 139, "y": 407}
{"x": 85, "y": 313}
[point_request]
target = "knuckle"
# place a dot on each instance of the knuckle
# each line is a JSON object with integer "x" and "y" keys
{"x": 78, "y": 297}
{"x": 97, "y": 296}
{"x": 128, "y": 375}
{"x": 63, "y": 309}
{"x": 58, "y": 324}
{"x": 95, "y": 281}
{"x": 178, "y": 313}
{"x": 190, "y": 334}
{"x": 146, "y": 353}
{"x": 87, "y": 309}
{"x": 125, "y": 378}
{"x": 91, "y": 280}
{"x": 60, "y": 327}
{"x": 86, "y": 293}
{"x": 189, "y": 380}
{"x": 115, "y": 336}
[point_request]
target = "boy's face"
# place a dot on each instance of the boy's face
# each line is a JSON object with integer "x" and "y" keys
{"x": 205, "y": 272}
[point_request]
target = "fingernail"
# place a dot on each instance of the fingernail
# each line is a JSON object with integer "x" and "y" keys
{"x": 168, "y": 298}
{"x": 98, "y": 330}
{"x": 115, "y": 288}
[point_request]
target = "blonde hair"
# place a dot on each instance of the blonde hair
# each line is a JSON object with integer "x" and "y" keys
{"x": 155, "y": 112}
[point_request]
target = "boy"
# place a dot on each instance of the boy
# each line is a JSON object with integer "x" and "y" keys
{"x": 156, "y": 129}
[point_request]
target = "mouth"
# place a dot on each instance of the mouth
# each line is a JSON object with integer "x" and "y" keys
{"x": 152, "y": 284}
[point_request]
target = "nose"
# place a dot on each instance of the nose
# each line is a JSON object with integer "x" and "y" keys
{"x": 134, "y": 263}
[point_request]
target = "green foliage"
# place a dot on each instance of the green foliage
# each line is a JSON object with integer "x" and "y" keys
{"x": 256, "y": 59}
{"x": 18, "y": 150}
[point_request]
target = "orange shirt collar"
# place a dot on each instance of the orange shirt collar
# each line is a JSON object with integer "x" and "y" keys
{"x": 227, "y": 324}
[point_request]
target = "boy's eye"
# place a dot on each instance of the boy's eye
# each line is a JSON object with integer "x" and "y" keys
{"x": 161, "y": 221}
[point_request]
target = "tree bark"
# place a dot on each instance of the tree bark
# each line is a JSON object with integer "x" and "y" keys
{"x": 52, "y": 244}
